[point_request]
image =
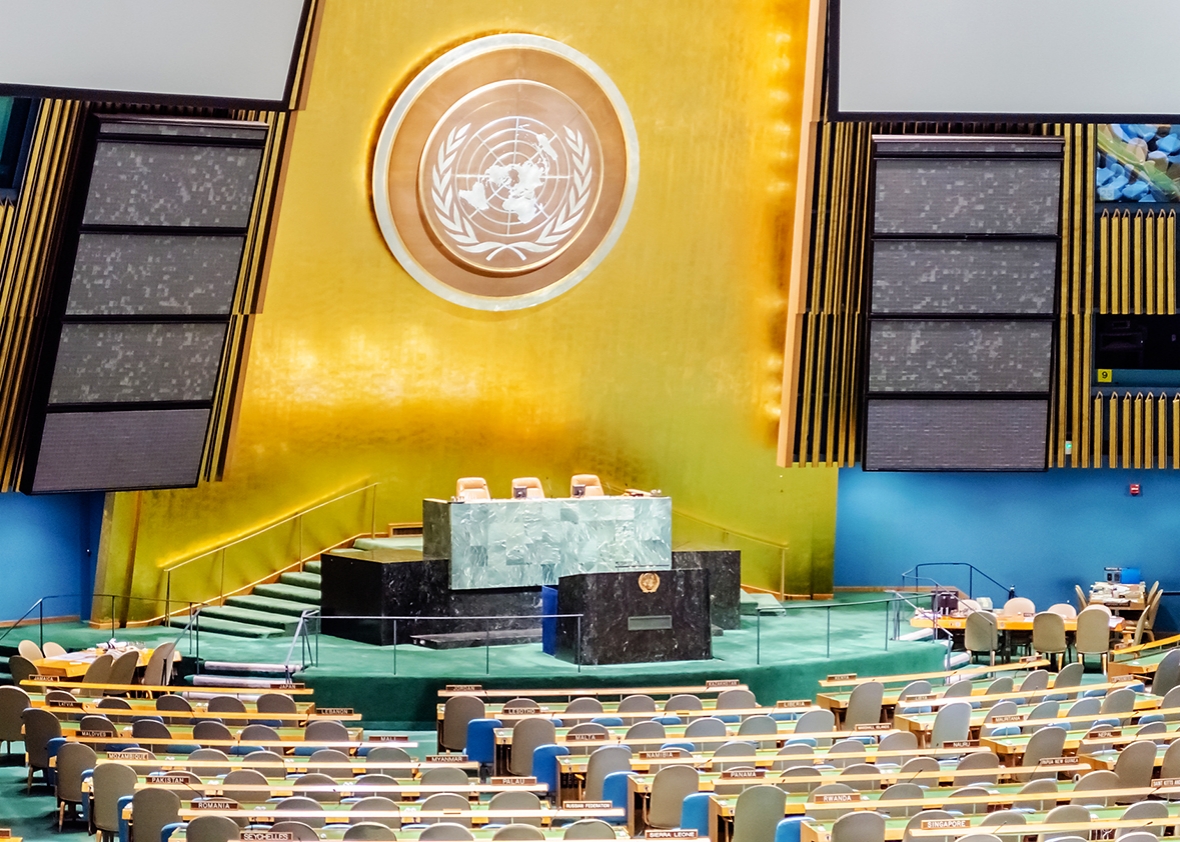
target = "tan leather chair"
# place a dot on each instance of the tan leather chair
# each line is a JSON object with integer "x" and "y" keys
{"x": 472, "y": 488}
{"x": 590, "y": 483}
{"x": 532, "y": 488}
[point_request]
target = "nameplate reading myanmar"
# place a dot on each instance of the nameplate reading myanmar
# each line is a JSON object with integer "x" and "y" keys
{"x": 446, "y": 758}
{"x": 518, "y": 781}
{"x": 960, "y": 743}
{"x": 1057, "y": 761}
{"x": 586, "y": 805}
{"x": 669, "y": 834}
{"x": 658, "y": 755}
{"x": 735, "y": 774}
{"x": 215, "y": 804}
{"x": 837, "y": 798}
{"x": 585, "y": 738}
{"x": 721, "y": 682}
{"x": 334, "y": 711}
{"x": 265, "y": 836}
{"x": 465, "y": 688}
{"x": 842, "y": 676}
{"x": 793, "y": 703}
{"x": 944, "y": 824}
{"x": 1015, "y": 717}
{"x": 875, "y": 726}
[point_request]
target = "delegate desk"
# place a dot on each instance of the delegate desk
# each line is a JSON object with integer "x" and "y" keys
{"x": 75, "y": 664}
{"x": 1004, "y": 622}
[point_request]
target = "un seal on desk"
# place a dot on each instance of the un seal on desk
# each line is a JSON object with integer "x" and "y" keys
{"x": 649, "y": 582}
{"x": 505, "y": 171}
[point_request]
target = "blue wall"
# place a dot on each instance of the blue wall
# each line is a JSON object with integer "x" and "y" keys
{"x": 48, "y": 545}
{"x": 1042, "y": 532}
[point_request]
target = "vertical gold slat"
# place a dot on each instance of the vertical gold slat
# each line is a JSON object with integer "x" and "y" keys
{"x": 831, "y": 278}
{"x": 1136, "y": 245}
{"x": 1112, "y": 448}
{"x": 1149, "y": 431}
{"x": 1125, "y": 263}
{"x": 1125, "y": 425}
{"x": 1161, "y": 426}
{"x": 1087, "y": 309}
{"x": 1096, "y": 414}
{"x": 853, "y": 190}
{"x": 817, "y": 274}
{"x": 1149, "y": 263}
{"x": 1104, "y": 263}
{"x": 1059, "y": 418}
{"x": 1137, "y": 431}
{"x": 1176, "y": 431}
{"x": 1170, "y": 263}
{"x": 1161, "y": 258}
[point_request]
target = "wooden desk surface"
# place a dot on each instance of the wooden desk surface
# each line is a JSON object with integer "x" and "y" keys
{"x": 1004, "y": 622}
{"x": 74, "y": 664}
{"x": 573, "y": 693}
{"x": 295, "y": 764}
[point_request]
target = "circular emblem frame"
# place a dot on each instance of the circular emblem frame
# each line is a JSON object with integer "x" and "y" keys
{"x": 505, "y": 172}
{"x": 649, "y": 582}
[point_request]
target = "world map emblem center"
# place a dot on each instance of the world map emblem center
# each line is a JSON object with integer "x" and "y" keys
{"x": 505, "y": 171}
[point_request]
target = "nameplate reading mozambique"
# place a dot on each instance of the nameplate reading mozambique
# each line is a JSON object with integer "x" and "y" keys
{"x": 1015, "y": 717}
{"x": 68, "y": 703}
{"x": 128, "y": 755}
{"x": 960, "y": 743}
{"x": 169, "y": 779}
{"x": 522, "y": 711}
{"x": 837, "y": 797}
{"x": 924, "y": 697}
{"x": 585, "y": 738}
{"x": 446, "y": 758}
{"x": 334, "y": 711}
{"x": 389, "y": 738}
{"x": 658, "y": 755}
{"x": 669, "y": 834}
{"x": 518, "y": 781}
{"x": 46, "y": 678}
{"x": 721, "y": 682}
{"x": 941, "y": 824}
{"x": 1057, "y": 761}
{"x": 842, "y": 676}
{"x": 875, "y": 726}
{"x": 1165, "y": 782}
{"x": 215, "y": 804}
{"x": 1105, "y": 734}
{"x": 586, "y": 805}
{"x": 465, "y": 688}
{"x": 88, "y": 733}
{"x": 265, "y": 836}
{"x": 734, "y": 774}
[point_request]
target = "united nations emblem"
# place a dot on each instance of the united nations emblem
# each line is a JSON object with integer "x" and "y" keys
{"x": 649, "y": 582}
{"x": 505, "y": 171}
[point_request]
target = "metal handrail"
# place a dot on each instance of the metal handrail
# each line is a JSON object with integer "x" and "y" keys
{"x": 971, "y": 571}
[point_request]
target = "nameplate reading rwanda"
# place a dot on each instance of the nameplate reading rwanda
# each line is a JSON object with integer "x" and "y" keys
{"x": 837, "y": 798}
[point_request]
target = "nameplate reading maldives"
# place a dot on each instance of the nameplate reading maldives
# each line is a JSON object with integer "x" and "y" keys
{"x": 334, "y": 711}
{"x": 960, "y": 743}
{"x": 658, "y": 755}
{"x": 464, "y": 688}
{"x": 215, "y": 804}
{"x": 130, "y": 754}
{"x": 586, "y": 805}
{"x": 585, "y": 738}
{"x": 670, "y": 834}
{"x": 793, "y": 703}
{"x": 842, "y": 676}
{"x": 735, "y": 774}
{"x": 944, "y": 824}
{"x": 1057, "y": 761}
{"x": 88, "y": 734}
{"x": 721, "y": 682}
{"x": 446, "y": 758}
{"x": 837, "y": 797}
{"x": 518, "y": 781}
{"x": 875, "y": 726}
{"x": 265, "y": 836}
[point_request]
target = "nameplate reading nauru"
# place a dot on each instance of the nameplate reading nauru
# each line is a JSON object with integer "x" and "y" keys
{"x": 464, "y": 688}
{"x": 658, "y": 755}
{"x": 518, "y": 781}
{"x": 793, "y": 703}
{"x": 837, "y": 798}
{"x": 585, "y": 738}
{"x": 586, "y": 805}
{"x": 721, "y": 682}
{"x": 960, "y": 743}
{"x": 334, "y": 711}
{"x": 735, "y": 774}
{"x": 446, "y": 758}
{"x": 875, "y": 726}
{"x": 669, "y": 834}
{"x": 215, "y": 804}
{"x": 265, "y": 836}
{"x": 941, "y": 824}
{"x": 841, "y": 676}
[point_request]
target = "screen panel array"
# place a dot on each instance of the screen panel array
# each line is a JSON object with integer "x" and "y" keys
{"x": 960, "y": 344}
{"x": 144, "y": 302}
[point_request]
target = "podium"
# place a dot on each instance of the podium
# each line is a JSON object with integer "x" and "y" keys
{"x": 630, "y": 618}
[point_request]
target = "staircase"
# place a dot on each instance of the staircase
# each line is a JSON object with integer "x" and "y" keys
{"x": 270, "y": 610}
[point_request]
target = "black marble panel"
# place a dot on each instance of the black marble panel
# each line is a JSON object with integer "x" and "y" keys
{"x": 400, "y": 583}
{"x": 436, "y": 528}
{"x": 623, "y": 622}
{"x": 725, "y": 581}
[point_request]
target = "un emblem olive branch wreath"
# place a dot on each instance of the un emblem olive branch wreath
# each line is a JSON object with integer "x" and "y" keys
{"x": 460, "y": 229}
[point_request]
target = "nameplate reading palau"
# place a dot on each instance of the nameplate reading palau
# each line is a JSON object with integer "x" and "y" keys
{"x": 837, "y": 797}
{"x": 942, "y": 824}
{"x": 446, "y": 758}
{"x": 518, "y": 781}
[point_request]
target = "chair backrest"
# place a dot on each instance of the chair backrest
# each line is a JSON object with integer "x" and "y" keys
{"x": 668, "y": 790}
{"x": 683, "y": 701}
{"x": 13, "y": 701}
{"x": 362, "y": 783}
{"x": 21, "y": 669}
{"x": 915, "y": 823}
{"x": 57, "y": 697}
{"x": 707, "y": 726}
{"x": 921, "y": 687}
{"x": 1018, "y": 605}
{"x": 445, "y": 776}
{"x": 123, "y": 668}
{"x": 733, "y": 748}
{"x": 29, "y": 649}
{"x": 584, "y": 704}
{"x": 211, "y": 829}
{"x": 1118, "y": 701}
{"x": 72, "y": 760}
{"x": 152, "y": 808}
{"x": 111, "y": 782}
{"x": 150, "y": 729}
{"x": 446, "y": 801}
{"x": 1069, "y": 676}
{"x": 41, "y": 726}
{"x": 457, "y": 713}
{"x": 816, "y": 722}
{"x": 527, "y": 734}
{"x": 99, "y": 671}
{"x": 864, "y": 704}
{"x": 899, "y": 792}
{"x": 266, "y": 762}
{"x": 1153, "y": 607}
{"x": 760, "y": 725}
{"x": 951, "y": 723}
{"x": 1046, "y": 786}
{"x": 736, "y": 699}
{"x": 383, "y": 803}
{"x": 331, "y": 755}
{"x": 528, "y": 486}
{"x": 517, "y": 800}
{"x": 1083, "y": 600}
{"x": 971, "y": 808}
{"x": 1044, "y": 710}
{"x": 980, "y": 634}
{"x": 170, "y": 701}
{"x": 54, "y": 650}
{"x": 241, "y": 777}
{"x": 898, "y": 741}
{"x": 1065, "y": 813}
{"x": 919, "y": 764}
{"x": 800, "y": 779}
{"x": 602, "y": 762}
{"x": 637, "y": 703}
{"x": 369, "y": 832}
{"x": 1035, "y": 681}
{"x": 1048, "y": 632}
{"x": 472, "y": 488}
{"x": 226, "y": 704}
{"x": 846, "y": 752}
{"x": 211, "y": 729}
{"x": 1064, "y": 609}
{"x": 1003, "y": 684}
{"x": 1087, "y": 706}
{"x": 445, "y": 832}
{"x": 318, "y": 779}
{"x": 1000, "y": 818}
{"x": 323, "y": 730}
{"x": 97, "y": 723}
{"x": 1145, "y": 810}
{"x": 590, "y": 483}
{"x": 984, "y": 767}
{"x": 1170, "y": 765}
{"x": 859, "y": 827}
{"x": 1167, "y": 673}
{"x": 384, "y": 754}
{"x": 1099, "y": 779}
{"x": 158, "y": 671}
{"x": 212, "y": 754}
{"x": 957, "y": 690}
{"x": 275, "y": 703}
{"x": 589, "y": 829}
{"x": 1135, "y": 764}
{"x": 1093, "y": 635}
{"x": 261, "y": 733}
{"x": 300, "y": 804}
{"x": 1047, "y": 742}
{"x": 757, "y": 812}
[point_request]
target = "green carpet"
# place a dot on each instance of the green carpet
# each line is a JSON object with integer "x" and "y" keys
{"x": 396, "y": 687}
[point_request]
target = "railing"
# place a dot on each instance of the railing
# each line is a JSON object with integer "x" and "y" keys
{"x": 240, "y": 564}
{"x": 39, "y": 608}
{"x": 915, "y": 574}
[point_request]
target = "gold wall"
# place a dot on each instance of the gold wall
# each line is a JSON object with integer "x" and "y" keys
{"x": 661, "y": 370}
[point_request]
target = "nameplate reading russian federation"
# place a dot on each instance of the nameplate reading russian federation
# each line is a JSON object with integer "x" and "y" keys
{"x": 517, "y": 781}
{"x": 1057, "y": 761}
{"x": 446, "y": 758}
{"x": 875, "y": 726}
{"x": 842, "y": 676}
{"x": 669, "y": 834}
{"x": 837, "y": 797}
{"x": 721, "y": 682}
{"x": 735, "y": 774}
{"x": 658, "y": 755}
{"x": 389, "y": 738}
{"x": 586, "y": 805}
{"x": 334, "y": 711}
{"x": 944, "y": 824}
{"x": 960, "y": 743}
{"x": 130, "y": 754}
{"x": 265, "y": 836}
{"x": 793, "y": 703}
{"x": 1015, "y": 717}
{"x": 585, "y": 738}
{"x": 215, "y": 804}
{"x": 464, "y": 688}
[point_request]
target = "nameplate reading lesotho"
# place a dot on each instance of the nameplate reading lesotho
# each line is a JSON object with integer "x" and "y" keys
{"x": 793, "y": 703}
{"x": 517, "y": 781}
{"x": 875, "y": 726}
{"x": 960, "y": 743}
{"x": 721, "y": 682}
{"x": 837, "y": 797}
{"x": 670, "y": 834}
{"x": 586, "y": 805}
{"x": 265, "y": 836}
{"x": 446, "y": 758}
{"x": 736, "y": 774}
{"x": 334, "y": 711}
{"x": 944, "y": 824}
{"x": 523, "y": 710}
{"x": 215, "y": 804}
{"x": 842, "y": 676}
{"x": 585, "y": 738}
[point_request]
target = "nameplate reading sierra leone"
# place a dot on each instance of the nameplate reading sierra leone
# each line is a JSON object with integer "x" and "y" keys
{"x": 517, "y": 781}
{"x": 215, "y": 804}
{"x": 446, "y": 758}
{"x": 669, "y": 834}
{"x": 841, "y": 676}
{"x": 586, "y": 805}
{"x": 464, "y": 688}
{"x": 944, "y": 824}
{"x": 712, "y": 683}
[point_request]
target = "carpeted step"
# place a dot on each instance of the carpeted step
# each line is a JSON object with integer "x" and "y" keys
{"x": 236, "y": 629}
{"x": 268, "y": 604}
{"x": 5, "y": 678}
{"x": 289, "y": 592}
{"x": 312, "y": 567}
{"x": 251, "y": 617}
{"x": 301, "y": 580}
